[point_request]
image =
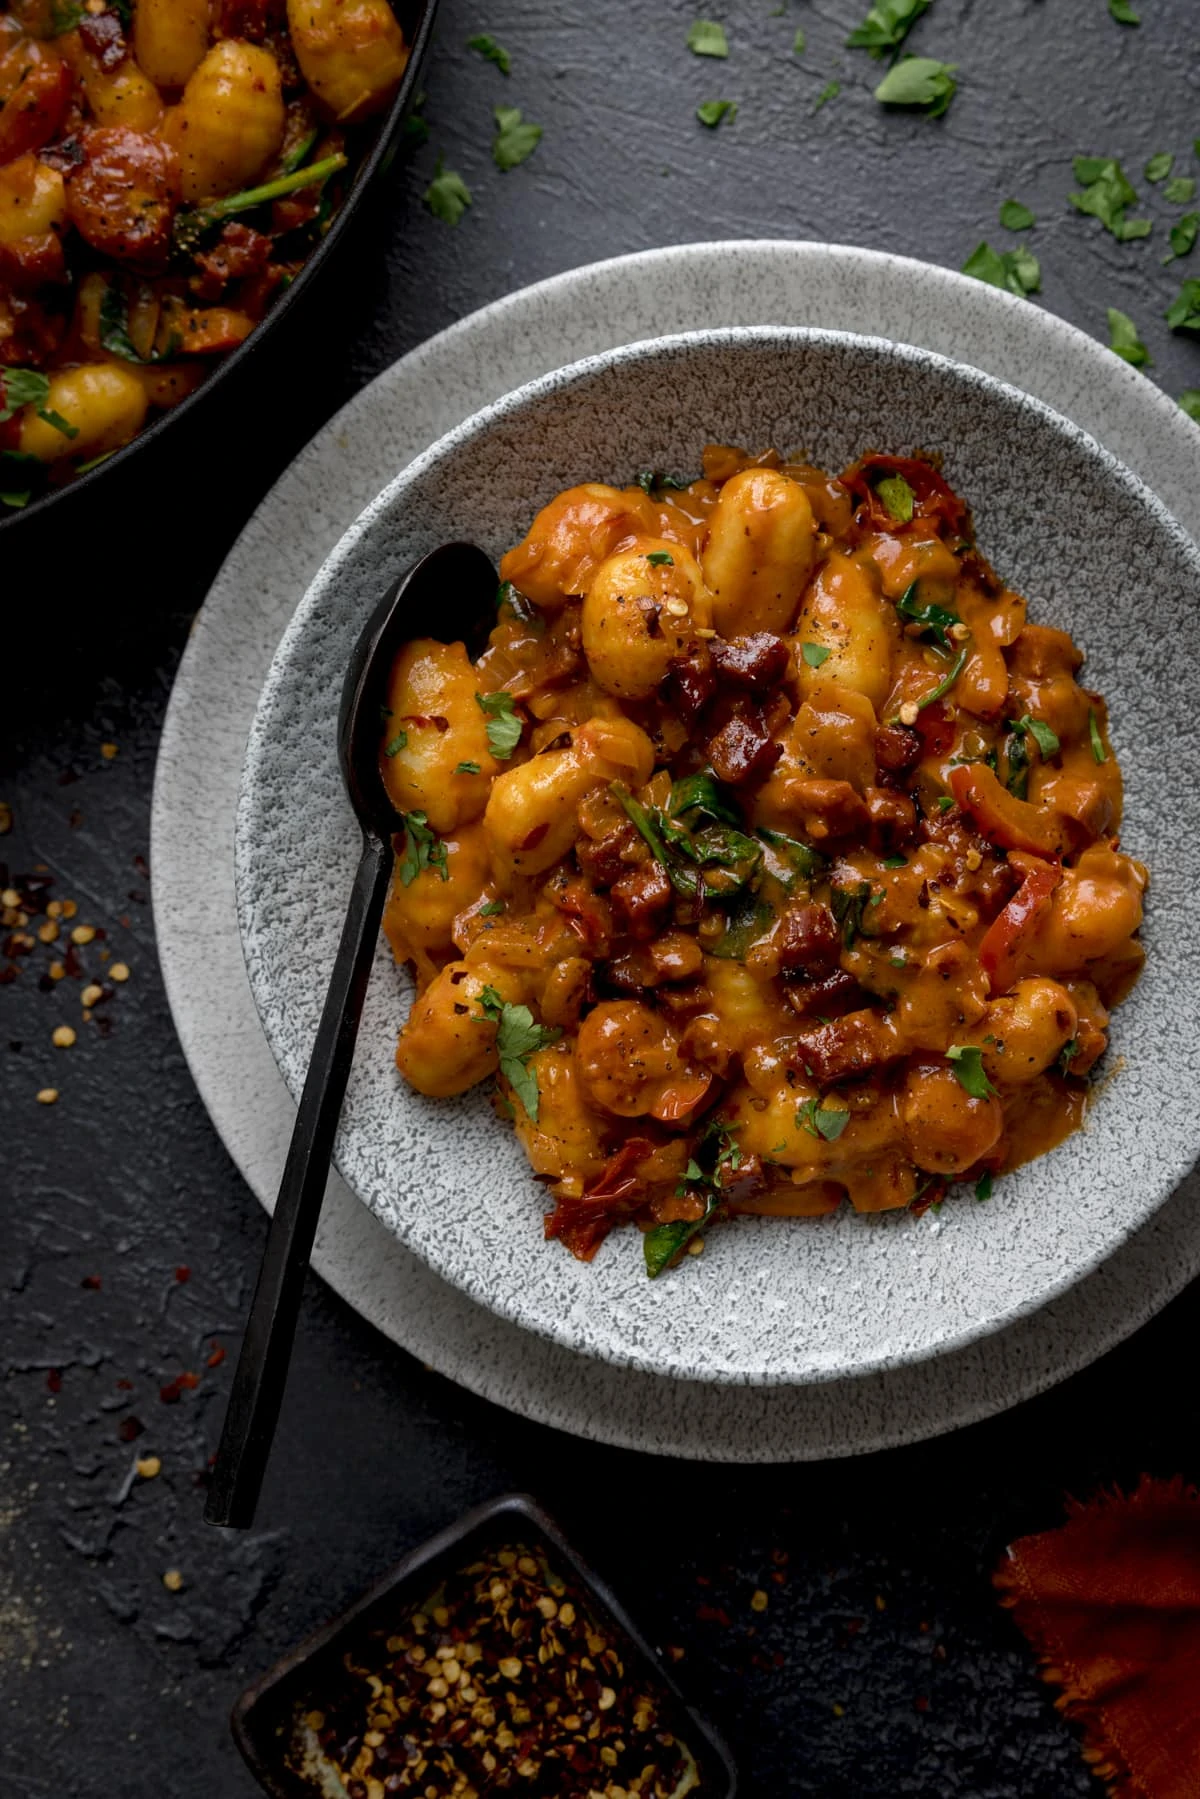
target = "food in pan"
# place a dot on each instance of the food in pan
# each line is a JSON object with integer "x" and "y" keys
{"x": 166, "y": 168}
{"x": 768, "y": 854}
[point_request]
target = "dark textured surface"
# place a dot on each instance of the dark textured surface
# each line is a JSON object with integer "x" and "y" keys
{"x": 882, "y": 1665}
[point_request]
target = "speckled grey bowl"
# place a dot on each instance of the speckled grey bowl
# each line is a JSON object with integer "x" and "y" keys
{"x": 771, "y": 1300}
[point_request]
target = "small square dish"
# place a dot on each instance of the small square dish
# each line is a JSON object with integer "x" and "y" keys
{"x": 491, "y": 1659}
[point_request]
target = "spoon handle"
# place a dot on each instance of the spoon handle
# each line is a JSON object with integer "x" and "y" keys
{"x": 261, "y": 1376}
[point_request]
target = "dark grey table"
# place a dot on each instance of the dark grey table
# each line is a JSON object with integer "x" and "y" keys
{"x": 882, "y": 1665}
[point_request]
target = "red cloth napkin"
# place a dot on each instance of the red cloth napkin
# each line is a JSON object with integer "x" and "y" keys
{"x": 1110, "y": 1602}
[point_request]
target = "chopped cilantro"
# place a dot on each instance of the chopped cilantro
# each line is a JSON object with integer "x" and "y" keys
{"x": 830, "y": 91}
{"x": 713, "y": 111}
{"x": 894, "y": 862}
{"x": 945, "y": 801}
{"x": 899, "y": 960}
{"x": 399, "y": 742}
{"x": 716, "y": 1152}
{"x": 517, "y": 1039}
{"x": 1098, "y": 749}
{"x": 1106, "y": 195}
{"x": 934, "y": 619}
{"x": 1189, "y": 401}
{"x": 493, "y": 909}
{"x": 504, "y": 727}
{"x": 848, "y": 905}
{"x": 1159, "y": 167}
{"x": 1180, "y": 191}
{"x": 447, "y": 195}
{"x": 1043, "y": 736}
{"x": 1015, "y": 217}
{"x": 467, "y": 768}
{"x": 491, "y": 51}
{"x": 114, "y": 324}
{"x": 799, "y": 43}
{"x": 947, "y": 681}
{"x": 1124, "y": 340}
{"x": 706, "y": 38}
{"x": 822, "y": 1121}
{"x": 897, "y": 496}
{"x": 423, "y": 848}
{"x": 661, "y": 558}
{"x": 919, "y": 81}
{"x": 1067, "y": 1055}
{"x": 58, "y": 421}
{"x": 1184, "y": 312}
{"x": 1018, "y": 271}
{"x": 21, "y": 387}
{"x": 1123, "y": 12}
{"x": 1183, "y": 235}
{"x": 515, "y": 138}
{"x": 983, "y": 1186}
{"x": 815, "y": 653}
{"x": 887, "y": 25}
{"x": 967, "y": 1060}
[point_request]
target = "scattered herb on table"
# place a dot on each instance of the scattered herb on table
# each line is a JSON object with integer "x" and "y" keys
{"x": 416, "y": 126}
{"x": 423, "y": 848}
{"x": 1159, "y": 167}
{"x": 516, "y": 138}
{"x": 830, "y": 91}
{"x": 504, "y": 727}
{"x": 1016, "y": 217}
{"x": 491, "y": 51}
{"x": 1106, "y": 194}
{"x": 711, "y": 112}
{"x": 1189, "y": 401}
{"x": 799, "y": 43}
{"x": 967, "y": 1063}
{"x": 919, "y": 81}
{"x": 1184, "y": 312}
{"x": 1183, "y": 236}
{"x": 1017, "y": 271}
{"x": 1180, "y": 191}
{"x": 1122, "y": 11}
{"x": 1124, "y": 341}
{"x": 517, "y": 1039}
{"x": 886, "y": 26}
{"x": 447, "y": 195}
{"x": 707, "y": 38}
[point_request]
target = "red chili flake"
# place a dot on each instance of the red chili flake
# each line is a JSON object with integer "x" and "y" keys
{"x": 124, "y": 1386}
{"x": 92, "y": 1282}
{"x": 129, "y": 1428}
{"x": 183, "y": 1273}
{"x": 170, "y": 1394}
{"x": 54, "y": 1380}
{"x": 75, "y": 819}
{"x": 71, "y": 963}
{"x": 10, "y": 974}
{"x": 714, "y": 1614}
{"x": 217, "y": 1356}
{"x": 142, "y": 866}
{"x": 920, "y": 1703}
{"x": 189, "y": 1381}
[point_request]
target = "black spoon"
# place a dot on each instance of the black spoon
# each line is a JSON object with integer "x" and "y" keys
{"x": 450, "y": 595}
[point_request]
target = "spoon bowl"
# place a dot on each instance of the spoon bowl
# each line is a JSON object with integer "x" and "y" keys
{"x": 453, "y": 585}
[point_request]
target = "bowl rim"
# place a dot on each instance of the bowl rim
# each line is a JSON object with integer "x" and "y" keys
{"x": 372, "y": 167}
{"x": 486, "y": 419}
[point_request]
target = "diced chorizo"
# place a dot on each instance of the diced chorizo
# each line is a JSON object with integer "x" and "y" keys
{"x": 845, "y": 1046}
{"x": 691, "y": 682}
{"x": 642, "y": 898}
{"x": 808, "y": 939}
{"x": 897, "y": 749}
{"x": 756, "y": 663}
{"x": 742, "y": 749}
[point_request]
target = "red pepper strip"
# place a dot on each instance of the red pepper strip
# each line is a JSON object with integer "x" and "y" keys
{"x": 583, "y": 1223}
{"x": 681, "y": 1097}
{"x": 934, "y": 500}
{"x": 1005, "y": 820}
{"x": 1009, "y": 933}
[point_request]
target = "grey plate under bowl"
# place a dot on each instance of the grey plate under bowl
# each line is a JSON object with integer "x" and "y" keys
{"x": 1095, "y": 552}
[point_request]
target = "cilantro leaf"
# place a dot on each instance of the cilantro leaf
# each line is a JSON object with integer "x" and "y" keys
{"x": 517, "y": 1039}
{"x": 399, "y": 742}
{"x": 706, "y": 38}
{"x": 491, "y": 51}
{"x": 1015, "y": 217}
{"x": 919, "y": 81}
{"x": 1184, "y": 311}
{"x": 423, "y": 848}
{"x": 1124, "y": 340}
{"x": 1189, "y": 401}
{"x": 1123, "y": 12}
{"x": 887, "y": 25}
{"x": 504, "y": 727}
{"x": 822, "y": 1121}
{"x": 1183, "y": 236}
{"x": 660, "y": 559}
{"x": 934, "y": 619}
{"x": 1043, "y": 736}
{"x": 967, "y": 1060}
{"x": 493, "y": 909}
{"x": 830, "y": 91}
{"x": 416, "y": 128}
{"x": 815, "y": 653}
{"x": 897, "y": 496}
{"x": 1180, "y": 191}
{"x": 1159, "y": 167}
{"x": 983, "y": 1186}
{"x": 21, "y": 387}
{"x": 515, "y": 138}
{"x": 799, "y": 43}
{"x": 467, "y": 768}
{"x": 1099, "y": 752}
{"x": 447, "y": 195}
{"x": 848, "y": 905}
{"x": 114, "y": 324}
{"x": 805, "y": 861}
{"x": 1106, "y": 195}
{"x": 58, "y": 421}
{"x": 1017, "y": 271}
{"x": 713, "y": 111}
{"x": 716, "y": 1151}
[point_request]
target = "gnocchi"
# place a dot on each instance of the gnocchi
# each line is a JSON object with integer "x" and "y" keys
{"x": 767, "y": 855}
